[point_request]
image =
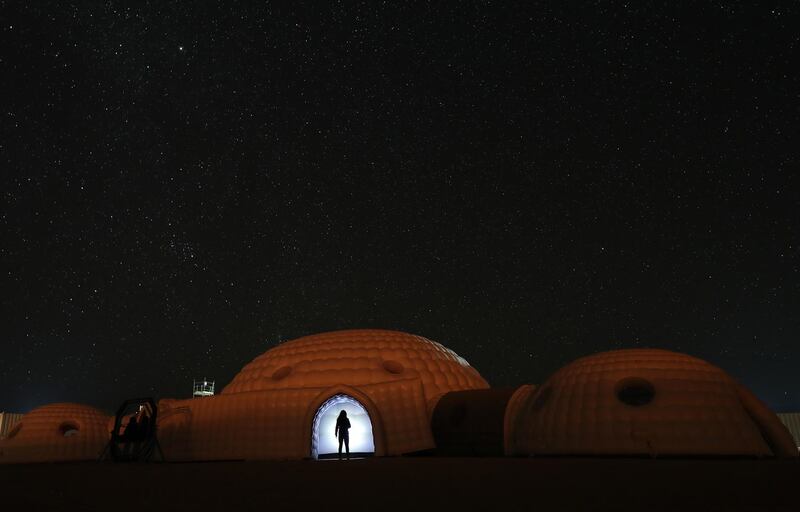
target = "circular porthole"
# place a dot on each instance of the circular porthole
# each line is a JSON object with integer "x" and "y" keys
{"x": 392, "y": 366}
{"x": 68, "y": 429}
{"x": 635, "y": 391}
{"x": 282, "y": 373}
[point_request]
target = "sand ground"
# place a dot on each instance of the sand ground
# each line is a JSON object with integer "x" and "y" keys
{"x": 408, "y": 484}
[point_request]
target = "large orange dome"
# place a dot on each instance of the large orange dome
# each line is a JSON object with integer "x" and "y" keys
{"x": 646, "y": 401}
{"x": 358, "y": 358}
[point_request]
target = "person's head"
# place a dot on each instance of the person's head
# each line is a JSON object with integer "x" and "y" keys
{"x": 343, "y": 414}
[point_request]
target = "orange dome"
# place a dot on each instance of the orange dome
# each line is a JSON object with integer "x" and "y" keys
{"x": 645, "y": 401}
{"x": 56, "y": 432}
{"x": 358, "y": 358}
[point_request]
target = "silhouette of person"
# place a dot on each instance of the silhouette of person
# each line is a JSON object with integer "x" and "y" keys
{"x": 144, "y": 428}
{"x": 130, "y": 435}
{"x": 343, "y": 430}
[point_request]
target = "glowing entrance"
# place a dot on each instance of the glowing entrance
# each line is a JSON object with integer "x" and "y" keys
{"x": 323, "y": 442}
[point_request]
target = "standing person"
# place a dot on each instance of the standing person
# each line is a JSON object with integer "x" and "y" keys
{"x": 130, "y": 436}
{"x": 343, "y": 430}
{"x": 144, "y": 427}
{"x": 143, "y": 431}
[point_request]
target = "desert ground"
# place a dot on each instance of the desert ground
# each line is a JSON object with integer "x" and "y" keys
{"x": 408, "y": 484}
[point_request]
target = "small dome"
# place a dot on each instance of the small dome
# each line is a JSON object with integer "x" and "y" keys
{"x": 56, "y": 418}
{"x": 56, "y": 432}
{"x": 355, "y": 358}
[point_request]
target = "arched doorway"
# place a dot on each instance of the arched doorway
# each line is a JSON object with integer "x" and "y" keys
{"x": 323, "y": 442}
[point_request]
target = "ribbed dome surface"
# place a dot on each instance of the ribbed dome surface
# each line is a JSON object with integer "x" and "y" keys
{"x": 639, "y": 401}
{"x": 357, "y": 357}
{"x": 47, "y": 419}
{"x": 56, "y": 432}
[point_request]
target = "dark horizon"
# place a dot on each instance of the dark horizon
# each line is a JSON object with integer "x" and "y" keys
{"x": 185, "y": 186}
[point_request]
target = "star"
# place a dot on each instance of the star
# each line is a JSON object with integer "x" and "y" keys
{"x": 544, "y": 189}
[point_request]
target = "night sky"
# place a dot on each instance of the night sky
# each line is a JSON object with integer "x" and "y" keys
{"x": 185, "y": 185}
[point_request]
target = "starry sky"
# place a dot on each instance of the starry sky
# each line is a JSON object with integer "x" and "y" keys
{"x": 183, "y": 185}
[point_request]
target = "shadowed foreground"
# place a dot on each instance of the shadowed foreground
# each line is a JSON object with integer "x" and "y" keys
{"x": 409, "y": 484}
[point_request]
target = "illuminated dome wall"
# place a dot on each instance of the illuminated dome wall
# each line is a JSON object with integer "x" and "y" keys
{"x": 358, "y": 358}
{"x": 644, "y": 402}
{"x": 406, "y": 394}
{"x": 57, "y": 432}
{"x": 268, "y": 410}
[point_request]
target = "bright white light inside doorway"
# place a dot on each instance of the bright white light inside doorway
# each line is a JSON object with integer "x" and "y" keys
{"x": 323, "y": 440}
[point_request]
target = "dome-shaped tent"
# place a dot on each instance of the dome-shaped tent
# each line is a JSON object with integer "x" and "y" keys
{"x": 359, "y": 358}
{"x": 644, "y": 402}
{"x": 56, "y": 432}
{"x": 271, "y": 408}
